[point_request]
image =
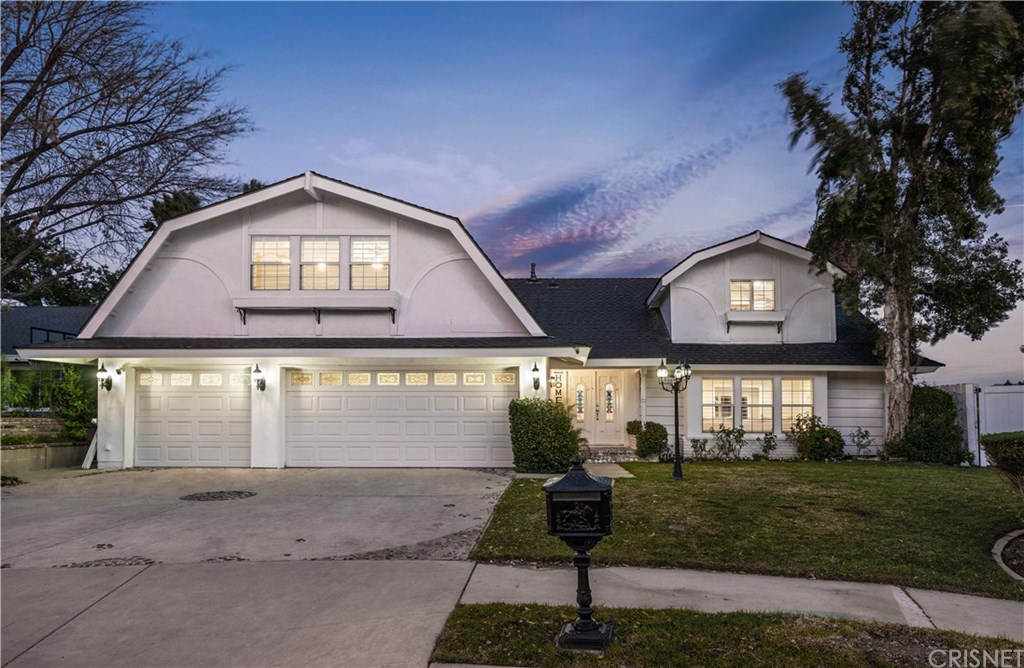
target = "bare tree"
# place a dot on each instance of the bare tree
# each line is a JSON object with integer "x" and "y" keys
{"x": 100, "y": 115}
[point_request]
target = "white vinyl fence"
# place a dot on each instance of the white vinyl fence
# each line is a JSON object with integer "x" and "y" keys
{"x": 987, "y": 410}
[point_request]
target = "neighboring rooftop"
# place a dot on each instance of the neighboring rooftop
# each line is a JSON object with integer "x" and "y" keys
{"x": 31, "y": 325}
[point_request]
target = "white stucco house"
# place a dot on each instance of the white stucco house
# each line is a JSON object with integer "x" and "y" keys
{"x": 383, "y": 336}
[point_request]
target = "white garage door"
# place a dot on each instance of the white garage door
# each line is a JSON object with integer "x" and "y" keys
{"x": 192, "y": 417}
{"x": 436, "y": 417}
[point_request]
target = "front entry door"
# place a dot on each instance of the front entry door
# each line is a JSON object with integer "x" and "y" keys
{"x": 595, "y": 400}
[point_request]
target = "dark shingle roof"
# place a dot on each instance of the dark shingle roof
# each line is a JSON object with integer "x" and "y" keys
{"x": 27, "y": 325}
{"x": 611, "y": 316}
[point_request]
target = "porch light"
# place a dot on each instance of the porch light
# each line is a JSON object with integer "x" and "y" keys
{"x": 104, "y": 377}
{"x": 259, "y": 379}
{"x": 536, "y": 377}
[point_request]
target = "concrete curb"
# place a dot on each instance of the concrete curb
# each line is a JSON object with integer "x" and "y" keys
{"x": 997, "y": 553}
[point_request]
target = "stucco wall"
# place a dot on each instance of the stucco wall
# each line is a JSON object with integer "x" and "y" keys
{"x": 200, "y": 274}
{"x": 698, "y": 302}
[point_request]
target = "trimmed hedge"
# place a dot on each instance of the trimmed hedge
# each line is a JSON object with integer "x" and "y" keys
{"x": 1005, "y": 453}
{"x": 933, "y": 433}
{"x": 543, "y": 437}
{"x": 651, "y": 440}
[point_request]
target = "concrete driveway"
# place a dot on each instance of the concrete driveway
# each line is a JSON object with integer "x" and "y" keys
{"x": 340, "y": 567}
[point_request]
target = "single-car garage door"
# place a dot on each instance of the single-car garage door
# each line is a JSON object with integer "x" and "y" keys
{"x": 371, "y": 417}
{"x": 192, "y": 417}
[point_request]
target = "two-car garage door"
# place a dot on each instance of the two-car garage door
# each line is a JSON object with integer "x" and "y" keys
{"x": 372, "y": 417}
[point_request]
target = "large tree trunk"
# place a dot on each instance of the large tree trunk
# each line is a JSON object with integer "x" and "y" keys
{"x": 898, "y": 352}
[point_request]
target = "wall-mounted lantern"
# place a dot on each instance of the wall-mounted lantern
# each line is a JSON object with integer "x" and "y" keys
{"x": 105, "y": 379}
{"x": 259, "y": 379}
{"x": 579, "y": 508}
{"x": 536, "y": 377}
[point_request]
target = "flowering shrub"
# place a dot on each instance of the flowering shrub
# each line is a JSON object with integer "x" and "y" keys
{"x": 814, "y": 439}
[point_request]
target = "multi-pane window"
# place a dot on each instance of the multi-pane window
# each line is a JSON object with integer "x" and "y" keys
{"x": 756, "y": 405}
{"x": 320, "y": 263}
{"x": 797, "y": 399}
{"x": 370, "y": 267}
{"x": 716, "y": 403}
{"x": 271, "y": 263}
{"x": 756, "y": 295}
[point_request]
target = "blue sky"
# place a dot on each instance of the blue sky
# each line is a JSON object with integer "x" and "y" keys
{"x": 596, "y": 139}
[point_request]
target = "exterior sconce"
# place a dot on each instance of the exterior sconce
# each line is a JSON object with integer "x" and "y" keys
{"x": 103, "y": 376}
{"x": 259, "y": 379}
{"x": 536, "y": 377}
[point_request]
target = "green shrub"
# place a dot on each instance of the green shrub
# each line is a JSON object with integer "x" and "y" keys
{"x": 1005, "y": 453}
{"x": 933, "y": 432}
{"x": 634, "y": 427}
{"x": 861, "y": 439}
{"x": 543, "y": 437}
{"x": 815, "y": 440}
{"x": 651, "y": 440}
{"x": 767, "y": 444}
{"x": 699, "y": 448}
{"x": 73, "y": 402}
{"x": 729, "y": 443}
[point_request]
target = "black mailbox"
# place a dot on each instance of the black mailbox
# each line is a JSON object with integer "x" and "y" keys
{"x": 579, "y": 506}
{"x": 580, "y": 513}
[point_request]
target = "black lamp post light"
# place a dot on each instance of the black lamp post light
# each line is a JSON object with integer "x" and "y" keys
{"x": 579, "y": 508}
{"x": 675, "y": 385}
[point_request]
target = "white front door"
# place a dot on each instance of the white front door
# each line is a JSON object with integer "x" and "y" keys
{"x": 595, "y": 400}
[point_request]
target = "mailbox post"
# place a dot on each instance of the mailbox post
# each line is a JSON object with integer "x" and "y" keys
{"x": 579, "y": 509}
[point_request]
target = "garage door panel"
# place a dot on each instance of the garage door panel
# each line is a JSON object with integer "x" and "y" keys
{"x": 357, "y": 403}
{"x": 413, "y": 422}
{"x": 329, "y": 404}
{"x": 191, "y": 418}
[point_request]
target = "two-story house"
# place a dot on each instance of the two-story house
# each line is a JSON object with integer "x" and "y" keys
{"x": 315, "y": 323}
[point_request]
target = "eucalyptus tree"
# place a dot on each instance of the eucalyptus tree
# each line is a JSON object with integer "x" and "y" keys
{"x": 906, "y": 161}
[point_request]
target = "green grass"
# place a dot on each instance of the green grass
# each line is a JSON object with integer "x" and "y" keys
{"x": 10, "y": 481}
{"x": 31, "y": 439}
{"x": 523, "y": 635}
{"x": 905, "y": 524}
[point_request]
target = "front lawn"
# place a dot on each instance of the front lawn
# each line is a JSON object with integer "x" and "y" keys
{"x": 523, "y": 635}
{"x": 904, "y": 524}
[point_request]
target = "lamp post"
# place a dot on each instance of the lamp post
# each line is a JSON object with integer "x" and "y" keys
{"x": 677, "y": 384}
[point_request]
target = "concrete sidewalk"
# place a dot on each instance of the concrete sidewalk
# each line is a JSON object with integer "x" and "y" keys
{"x": 725, "y": 592}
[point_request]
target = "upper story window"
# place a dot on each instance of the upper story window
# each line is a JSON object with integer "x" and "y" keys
{"x": 320, "y": 263}
{"x": 270, "y": 267}
{"x": 371, "y": 263}
{"x": 755, "y": 295}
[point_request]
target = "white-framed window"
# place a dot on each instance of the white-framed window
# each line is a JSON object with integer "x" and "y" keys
{"x": 270, "y": 267}
{"x": 320, "y": 263}
{"x": 370, "y": 267}
{"x": 797, "y": 399}
{"x": 756, "y": 405}
{"x": 752, "y": 295}
{"x": 716, "y": 404}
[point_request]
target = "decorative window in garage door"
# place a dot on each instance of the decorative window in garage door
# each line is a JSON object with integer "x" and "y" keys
{"x": 474, "y": 378}
{"x": 504, "y": 378}
{"x": 445, "y": 378}
{"x": 330, "y": 378}
{"x": 239, "y": 379}
{"x": 301, "y": 378}
{"x": 181, "y": 379}
{"x": 387, "y": 379}
{"x": 359, "y": 379}
{"x": 417, "y": 379}
{"x": 211, "y": 379}
{"x": 151, "y": 379}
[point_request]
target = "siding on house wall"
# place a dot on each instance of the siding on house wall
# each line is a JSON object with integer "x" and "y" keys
{"x": 857, "y": 400}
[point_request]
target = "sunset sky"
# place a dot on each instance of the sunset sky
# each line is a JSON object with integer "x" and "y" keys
{"x": 595, "y": 139}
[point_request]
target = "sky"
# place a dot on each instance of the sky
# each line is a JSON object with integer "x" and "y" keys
{"x": 595, "y": 139}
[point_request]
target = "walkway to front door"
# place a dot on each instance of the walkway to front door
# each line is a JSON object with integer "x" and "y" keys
{"x": 596, "y": 401}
